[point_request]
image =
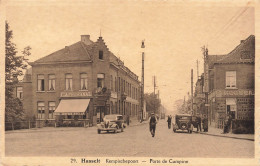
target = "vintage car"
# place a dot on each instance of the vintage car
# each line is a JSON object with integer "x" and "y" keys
{"x": 183, "y": 122}
{"x": 113, "y": 122}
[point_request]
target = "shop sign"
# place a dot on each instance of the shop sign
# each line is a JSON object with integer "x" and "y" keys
{"x": 231, "y": 93}
{"x": 75, "y": 94}
{"x": 114, "y": 95}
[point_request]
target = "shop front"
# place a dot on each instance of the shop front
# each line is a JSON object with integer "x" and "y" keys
{"x": 74, "y": 109}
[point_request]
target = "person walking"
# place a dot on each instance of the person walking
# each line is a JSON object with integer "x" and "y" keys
{"x": 169, "y": 120}
{"x": 127, "y": 120}
{"x": 152, "y": 124}
{"x": 198, "y": 123}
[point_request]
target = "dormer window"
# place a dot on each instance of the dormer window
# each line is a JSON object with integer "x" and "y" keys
{"x": 101, "y": 55}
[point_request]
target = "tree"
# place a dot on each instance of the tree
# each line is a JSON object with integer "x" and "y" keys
{"x": 152, "y": 103}
{"x": 14, "y": 67}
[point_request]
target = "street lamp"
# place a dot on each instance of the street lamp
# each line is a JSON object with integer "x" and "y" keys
{"x": 142, "y": 83}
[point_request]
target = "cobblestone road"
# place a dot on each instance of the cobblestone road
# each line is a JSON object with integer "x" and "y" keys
{"x": 135, "y": 141}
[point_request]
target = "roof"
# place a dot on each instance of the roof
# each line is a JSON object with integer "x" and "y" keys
{"x": 213, "y": 59}
{"x": 246, "y": 47}
{"x": 75, "y": 52}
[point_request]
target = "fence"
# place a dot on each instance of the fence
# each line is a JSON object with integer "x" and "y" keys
{"x": 73, "y": 123}
{"x": 46, "y": 123}
{"x": 20, "y": 125}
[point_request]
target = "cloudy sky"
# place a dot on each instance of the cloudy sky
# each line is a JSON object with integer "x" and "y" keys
{"x": 174, "y": 34}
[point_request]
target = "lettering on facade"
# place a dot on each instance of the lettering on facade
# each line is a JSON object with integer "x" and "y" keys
{"x": 229, "y": 93}
{"x": 75, "y": 94}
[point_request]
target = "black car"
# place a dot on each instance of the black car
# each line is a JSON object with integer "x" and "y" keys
{"x": 183, "y": 122}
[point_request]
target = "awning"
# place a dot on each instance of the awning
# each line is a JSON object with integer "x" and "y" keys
{"x": 72, "y": 107}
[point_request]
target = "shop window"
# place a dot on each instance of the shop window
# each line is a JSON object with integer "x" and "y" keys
{"x": 68, "y": 81}
{"x": 51, "y": 82}
{"x": 19, "y": 92}
{"x": 41, "y": 110}
{"x": 101, "y": 56}
{"x": 40, "y": 82}
{"x": 230, "y": 79}
{"x": 83, "y": 81}
{"x": 51, "y": 109}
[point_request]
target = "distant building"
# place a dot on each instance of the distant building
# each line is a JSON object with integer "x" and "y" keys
{"x": 81, "y": 81}
{"x": 230, "y": 83}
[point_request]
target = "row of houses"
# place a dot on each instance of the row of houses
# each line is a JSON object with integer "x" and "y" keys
{"x": 227, "y": 86}
{"x": 81, "y": 81}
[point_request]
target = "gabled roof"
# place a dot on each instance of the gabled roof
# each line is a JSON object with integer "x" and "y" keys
{"x": 246, "y": 46}
{"x": 213, "y": 59}
{"x": 75, "y": 52}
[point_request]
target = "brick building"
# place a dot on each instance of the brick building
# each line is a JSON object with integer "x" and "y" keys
{"x": 81, "y": 81}
{"x": 230, "y": 81}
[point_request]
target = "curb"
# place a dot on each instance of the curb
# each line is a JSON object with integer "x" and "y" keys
{"x": 249, "y": 139}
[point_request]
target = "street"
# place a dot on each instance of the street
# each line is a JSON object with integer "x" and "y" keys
{"x": 135, "y": 141}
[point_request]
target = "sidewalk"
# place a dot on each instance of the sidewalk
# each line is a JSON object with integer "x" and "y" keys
{"x": 135, "y": 122}
{"x": 217, "y": 132}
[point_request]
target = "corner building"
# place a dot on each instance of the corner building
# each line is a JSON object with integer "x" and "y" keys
{"x": 231, "y": 86}
{"x": 83, "y": 81}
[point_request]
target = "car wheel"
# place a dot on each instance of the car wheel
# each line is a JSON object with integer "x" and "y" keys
{"x": 98, "y": 131}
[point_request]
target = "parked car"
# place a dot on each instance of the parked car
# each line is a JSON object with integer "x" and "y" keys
{"x": 183, "y": 122}
{"x": 113, "y": 122}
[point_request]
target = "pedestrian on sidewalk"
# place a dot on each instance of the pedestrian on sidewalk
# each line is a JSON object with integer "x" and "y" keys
{"x": 169, "y": 120}
{"x": 198, "y": 123}
{"x": 127, "y": 120}
{"x": 227, "y": 124}
{"x": 205, "y": 123}
{"x": 152, "y": 124}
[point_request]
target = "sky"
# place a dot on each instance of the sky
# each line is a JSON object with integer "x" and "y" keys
{"x": 174, "y": 33}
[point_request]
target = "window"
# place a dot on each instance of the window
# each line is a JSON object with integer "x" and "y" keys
{"x": 51, "y": 82}
{"x": 115, "y": 84}
{"x": 231, "y": 79}
{"x": 41, "y": 110}
{"x": 40, "y": 82}
{"x": 68, "y": 80}
{"x": 51, "y": 109}
{"x": 83, "y": 81}
{"x": 111, "y": 83}
{"x": 100, "y": 80}
{"x": 19, "y": 92}
{"x": 100, "y": 55}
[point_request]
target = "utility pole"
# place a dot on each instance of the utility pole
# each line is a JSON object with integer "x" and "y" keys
{"x": 192, "y": 91}
{"x": 154, "y": 85}
{"x": 142, "y": 83}
{"x": 206, "y": 86}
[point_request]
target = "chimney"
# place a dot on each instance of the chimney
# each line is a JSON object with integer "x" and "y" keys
{"x": 86, "y": 39}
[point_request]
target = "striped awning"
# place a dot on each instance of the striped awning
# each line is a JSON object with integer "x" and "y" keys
{"x": 72, "y": 107}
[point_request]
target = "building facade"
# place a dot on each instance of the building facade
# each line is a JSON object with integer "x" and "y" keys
{"x": 81, "y": 81}
{"x": 230, "y": 81}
